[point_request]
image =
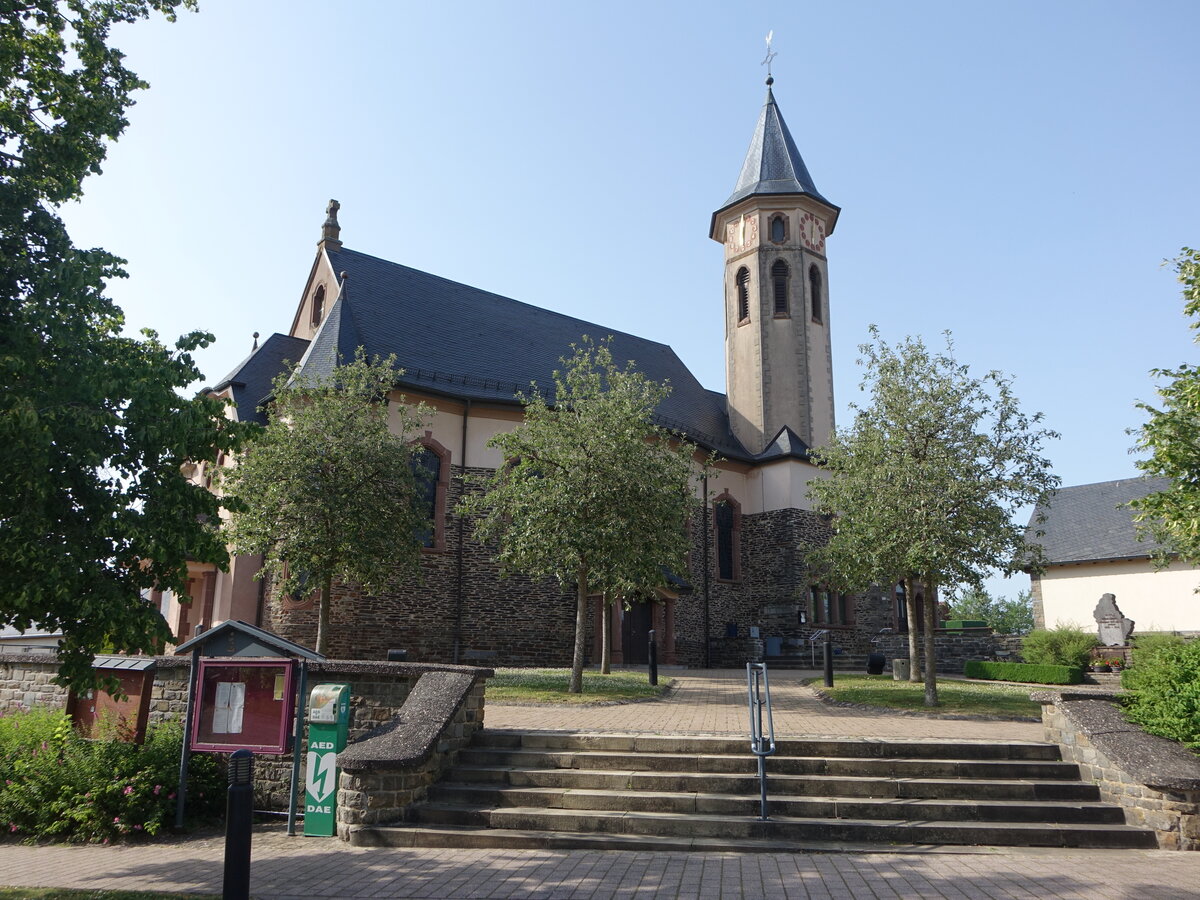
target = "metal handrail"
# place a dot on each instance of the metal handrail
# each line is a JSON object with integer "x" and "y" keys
{"x": 758, "y": 691}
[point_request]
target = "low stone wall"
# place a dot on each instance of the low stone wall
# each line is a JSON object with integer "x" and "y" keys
{"x": 378, "y": 691}
{"x": 25, "y": 681}
{"x": 954, "y": 648}
{"x": 1155, "y": 780}
{"x": 392, "y": 767}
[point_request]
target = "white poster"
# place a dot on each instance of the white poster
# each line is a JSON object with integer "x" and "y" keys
{"x": 229, "y": 707}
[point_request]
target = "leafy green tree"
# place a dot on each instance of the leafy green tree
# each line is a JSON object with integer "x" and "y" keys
{"x": 923, "y": 485}
{"x": 595, "y": 494}
{"x": 1002, "y": 614}
{"x": 329, "y": 490}
{"x": 93, "y": 506}
{"x": 1171, "y": 437}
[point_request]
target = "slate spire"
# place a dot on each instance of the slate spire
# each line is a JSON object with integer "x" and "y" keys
{"x": 773, "y": 164}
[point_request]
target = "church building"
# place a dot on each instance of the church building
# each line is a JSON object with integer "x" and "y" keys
{"x": 467, "y": 352}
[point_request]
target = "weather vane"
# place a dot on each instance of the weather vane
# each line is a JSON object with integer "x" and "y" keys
{"x": 771, "y": 54}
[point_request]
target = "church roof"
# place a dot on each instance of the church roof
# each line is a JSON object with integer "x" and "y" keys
{"x": 786, "y": 443}
{"x": 460, "y": 341}
{"x": 250, "y": 381}
{"x": 1093, "y": 522}
{"x": 773, "y": 164}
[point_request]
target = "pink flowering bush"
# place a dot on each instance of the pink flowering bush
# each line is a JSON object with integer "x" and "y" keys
{"x": 57, "y": 784}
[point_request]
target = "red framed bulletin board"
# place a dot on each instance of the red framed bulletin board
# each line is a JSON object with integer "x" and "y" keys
{"x": 244, "y": 705}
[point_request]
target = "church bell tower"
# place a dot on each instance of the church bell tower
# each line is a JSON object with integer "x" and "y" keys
{"x": 778, "y": 365}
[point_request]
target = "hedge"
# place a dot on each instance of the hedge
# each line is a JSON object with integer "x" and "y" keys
{"x": 1035, "y": 674}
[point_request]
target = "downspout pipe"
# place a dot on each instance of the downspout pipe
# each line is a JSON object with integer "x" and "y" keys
{"x": 462, "y": 523}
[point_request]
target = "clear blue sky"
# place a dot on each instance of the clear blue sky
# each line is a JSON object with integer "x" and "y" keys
{"x": 1012, "y": 172}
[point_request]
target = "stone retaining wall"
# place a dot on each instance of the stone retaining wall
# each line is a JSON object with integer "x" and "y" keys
{"x": 393, "y": 767}
{"x": 1156, "y": 781}
{"x": 25, "y": 682}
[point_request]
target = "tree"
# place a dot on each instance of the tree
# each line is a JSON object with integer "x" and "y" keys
{"x": 1171, "y": 437}
{"x": 1003, "y": 616}
{"x": 594, "y": 493}
{"x": 328, "y": 491}
{"x": 94, "y": 508}
{"x": 923, "y": 486}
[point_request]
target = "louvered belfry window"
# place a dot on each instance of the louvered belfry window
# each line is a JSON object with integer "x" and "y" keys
{"x": 814, "y": 288}
{"x": 779, "y": 283}
{"x": 743, "y": 294}
{"x": 318, "y": 306}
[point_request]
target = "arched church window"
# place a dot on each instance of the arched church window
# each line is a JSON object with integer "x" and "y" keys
{"x": 814, "y": 290}
{"x": 743, "y": 294}
{"x": 431, "y": 467}
{"x": 318, "y": 306}
{"x": 727, "y": 523}
{"x": 778, "y": 228}
{"x": 779, "y": 284}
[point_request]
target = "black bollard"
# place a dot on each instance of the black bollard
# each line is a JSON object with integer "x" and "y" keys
{"x": 239, "y": 810}
{"x": 653, "y": 658}
{"x": 827, "y": 659}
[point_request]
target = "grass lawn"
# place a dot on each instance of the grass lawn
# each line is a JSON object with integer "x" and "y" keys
{"x": 955, "y": 697}
{"x": 550, "y": 686}
{"x": 7, "y": 893}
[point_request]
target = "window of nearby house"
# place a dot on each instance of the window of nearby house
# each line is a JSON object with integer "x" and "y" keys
{"x": 431, "y": 466}
{"x": 727, "y": 523}
{"x": 779, "y": 284}
{"x": 318, "y": 306}
{"x": 778, "y": 228}
{"x": 743, "y": 294}
{"x": 814, "y": 290}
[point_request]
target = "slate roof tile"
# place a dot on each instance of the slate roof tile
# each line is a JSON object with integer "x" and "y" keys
{"x": 1093, "y": 522}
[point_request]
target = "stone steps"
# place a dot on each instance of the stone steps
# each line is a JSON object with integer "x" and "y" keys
{"x": 615, "y": 791}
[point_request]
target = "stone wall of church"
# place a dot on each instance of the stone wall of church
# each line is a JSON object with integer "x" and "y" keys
{"x": 514, "y": 621}
{"x": 774, "y": 582}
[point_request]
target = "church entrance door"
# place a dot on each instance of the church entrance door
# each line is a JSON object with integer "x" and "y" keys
{"x": 636, "y": 623}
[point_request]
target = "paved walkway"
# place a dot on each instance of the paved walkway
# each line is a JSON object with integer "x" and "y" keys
{"x": 286, "y": 868}
{"x": 714, "y": 702}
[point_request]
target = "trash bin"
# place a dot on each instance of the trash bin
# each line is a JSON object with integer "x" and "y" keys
{"x": 774, "y": 646}
{"x": 875, "y": 662}
{"x": 901, "y": 669}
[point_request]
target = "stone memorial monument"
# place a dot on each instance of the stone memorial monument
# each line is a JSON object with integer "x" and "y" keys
{"x": 1114, "y": 628}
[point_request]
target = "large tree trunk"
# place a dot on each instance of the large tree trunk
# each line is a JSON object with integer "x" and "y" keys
{"x": 581, "y": 597}
{"x": 323, "y": 615}
{"x": 931, "y": 697}
{"x": 605, "y": 636}
{"x": 914, "y": 638}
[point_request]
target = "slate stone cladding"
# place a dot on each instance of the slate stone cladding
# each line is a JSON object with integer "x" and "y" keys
{"x": 773, "y": 586}
{"x": 519, "y": 621}
{"x": 524, "y": 622}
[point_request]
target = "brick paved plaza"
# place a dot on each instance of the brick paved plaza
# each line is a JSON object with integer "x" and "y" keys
{"x": 301, "y": 867}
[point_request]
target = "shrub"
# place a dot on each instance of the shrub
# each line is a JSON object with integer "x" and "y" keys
{"x": 1034, "y": 673}
{"x": 1146, "y": 645}
{"x": 1164, "y": 692}
{"x": 1063, "y": 645}
{"x": 58, "y": 784}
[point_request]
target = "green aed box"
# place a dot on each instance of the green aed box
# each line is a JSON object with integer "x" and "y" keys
{"x": 328, "y": 727}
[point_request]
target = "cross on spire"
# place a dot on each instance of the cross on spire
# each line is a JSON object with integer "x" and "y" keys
{"x": 771, "y": 54}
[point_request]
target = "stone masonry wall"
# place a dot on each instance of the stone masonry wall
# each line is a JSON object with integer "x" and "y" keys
{"x": 1155, "y": 781}
{"x": 377, "y": 693}
{"x": 384, "y": 793}
{"x": 513, "y": 621}
{"x": 25, "y": 682}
